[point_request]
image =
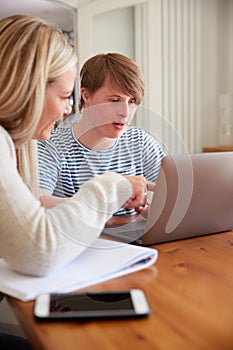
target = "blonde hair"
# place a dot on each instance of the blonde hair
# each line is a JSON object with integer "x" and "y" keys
{"x": 121, "y": 71}
{"x": 33, "y": 54}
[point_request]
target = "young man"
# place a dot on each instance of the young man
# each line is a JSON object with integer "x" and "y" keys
{"x": 112, "y": 87}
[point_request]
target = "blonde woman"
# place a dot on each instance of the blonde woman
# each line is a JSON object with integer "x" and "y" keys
{"x": 37, "y": 75}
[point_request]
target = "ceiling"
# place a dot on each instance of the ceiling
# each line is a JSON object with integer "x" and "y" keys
{"x": 50, "y": 11}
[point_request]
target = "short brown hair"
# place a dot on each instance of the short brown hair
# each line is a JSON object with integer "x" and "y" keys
{"x": 121, "y": 71}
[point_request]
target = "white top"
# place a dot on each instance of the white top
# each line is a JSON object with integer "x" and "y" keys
{"x": 35, "y": 240}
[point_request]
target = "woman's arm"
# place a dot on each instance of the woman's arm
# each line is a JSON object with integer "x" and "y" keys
{"x": 36, "y": 240}
{"x": 48, "y": 200}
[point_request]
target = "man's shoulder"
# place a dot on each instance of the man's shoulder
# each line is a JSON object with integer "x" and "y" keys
{"x": 133, "y": 131}
{"x": 61, "y": 132}
{"x": 59, "y": 137}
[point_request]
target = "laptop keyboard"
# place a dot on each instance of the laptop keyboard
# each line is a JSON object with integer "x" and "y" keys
{"x": 131, "y": 232}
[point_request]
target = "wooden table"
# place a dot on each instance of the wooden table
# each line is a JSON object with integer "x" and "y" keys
{"x": 190, "y": 291}
{"x": 218, "y": 149}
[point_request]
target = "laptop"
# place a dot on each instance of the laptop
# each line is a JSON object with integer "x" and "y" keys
{"x": 193, "y": 196}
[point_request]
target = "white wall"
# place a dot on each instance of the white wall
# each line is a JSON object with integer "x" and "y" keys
{"x": 212, "y": 75}
{"x": 217, "y": 63}
{"x": 119, "y": 26}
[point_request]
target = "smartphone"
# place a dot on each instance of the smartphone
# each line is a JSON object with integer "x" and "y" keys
{"x": 92, "y": 305}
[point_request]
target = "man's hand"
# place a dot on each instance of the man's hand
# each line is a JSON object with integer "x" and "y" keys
{"x": 138, "y": 201}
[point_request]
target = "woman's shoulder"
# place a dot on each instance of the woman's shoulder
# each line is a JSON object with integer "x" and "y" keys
{"x": 7, "y": 148}
{"x": 6, "y": 140}
{"x": 4, "y": 134}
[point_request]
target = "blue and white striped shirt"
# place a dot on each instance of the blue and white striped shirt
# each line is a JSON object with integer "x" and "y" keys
{"x": 65, "y": 163}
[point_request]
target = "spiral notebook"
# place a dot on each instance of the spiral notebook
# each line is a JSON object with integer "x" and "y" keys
{"x": 103, "y": 260}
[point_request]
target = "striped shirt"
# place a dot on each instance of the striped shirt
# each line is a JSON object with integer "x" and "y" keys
{"x": 65, "y": 163}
